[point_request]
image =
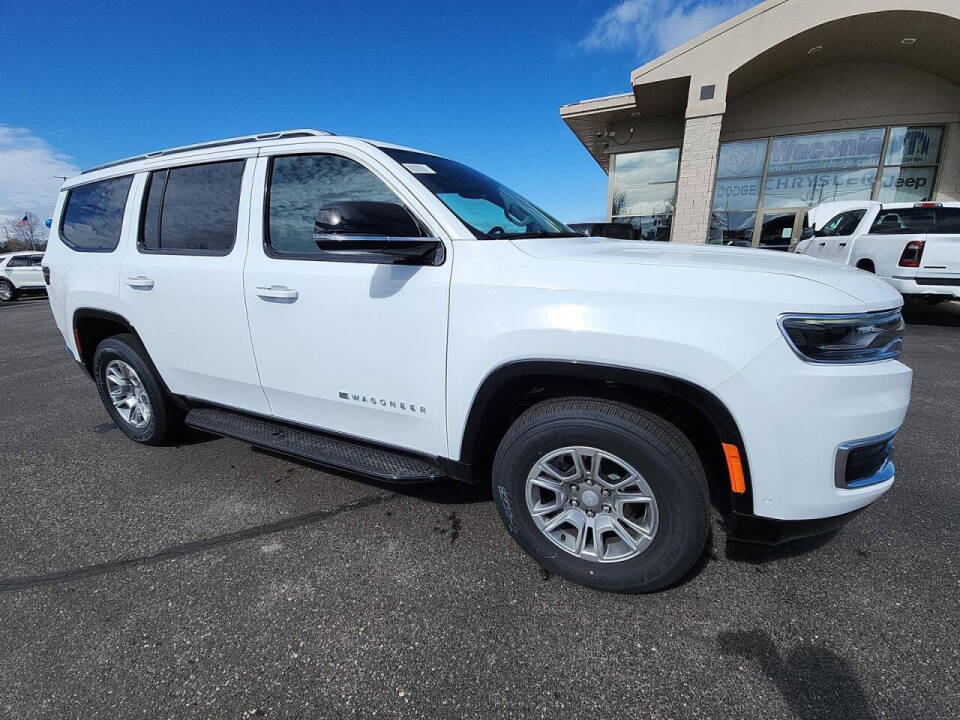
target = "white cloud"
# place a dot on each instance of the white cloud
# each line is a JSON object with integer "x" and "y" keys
{"x": 653, "y": 27}
{"x": 28, "y": 170}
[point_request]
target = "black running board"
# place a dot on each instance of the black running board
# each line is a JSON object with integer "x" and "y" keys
{"x": 309, "y": 445}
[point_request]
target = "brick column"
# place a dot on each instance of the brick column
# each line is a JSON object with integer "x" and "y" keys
{"x": 698, "y": 170}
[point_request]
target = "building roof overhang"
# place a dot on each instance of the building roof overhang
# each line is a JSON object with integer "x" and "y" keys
{"x": 773, "y": 39}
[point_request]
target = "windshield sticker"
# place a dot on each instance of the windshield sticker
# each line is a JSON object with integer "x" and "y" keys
{"x": 420, "y": 169}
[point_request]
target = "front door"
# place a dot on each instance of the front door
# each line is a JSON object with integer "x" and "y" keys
{"x": 343, "y": 343}
{"x": 778, "y": 229}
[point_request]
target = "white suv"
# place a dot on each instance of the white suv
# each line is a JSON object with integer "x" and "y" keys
{"x": 20, "y": 272}
{"x": 396, "y": 314}
{"x": 913, "y": 246}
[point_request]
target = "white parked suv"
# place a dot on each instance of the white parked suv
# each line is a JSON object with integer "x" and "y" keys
{"x": 20, "y": 272}
{"x": 913, "y": 246}
{"x": 399, "y": 315}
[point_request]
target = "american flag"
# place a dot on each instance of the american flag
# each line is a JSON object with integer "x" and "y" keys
{"x": 24, "y": 221}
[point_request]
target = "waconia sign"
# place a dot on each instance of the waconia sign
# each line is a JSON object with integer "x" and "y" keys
{"x": 811, "y": 169}
{"x": 826, "y": 151}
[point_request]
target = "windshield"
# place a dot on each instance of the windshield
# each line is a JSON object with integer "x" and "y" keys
{"x": 487, "y": 208}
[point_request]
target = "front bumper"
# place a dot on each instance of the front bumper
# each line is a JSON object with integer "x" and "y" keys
{"x": 799, "y": 419}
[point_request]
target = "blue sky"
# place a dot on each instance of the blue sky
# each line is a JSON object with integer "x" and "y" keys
{"x": 481, "y": 82}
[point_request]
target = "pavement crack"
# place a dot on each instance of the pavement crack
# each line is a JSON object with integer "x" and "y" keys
{"x": 176, "y": 552}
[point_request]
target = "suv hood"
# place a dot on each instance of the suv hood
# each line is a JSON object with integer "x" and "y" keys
{"x": 857, "y": 284}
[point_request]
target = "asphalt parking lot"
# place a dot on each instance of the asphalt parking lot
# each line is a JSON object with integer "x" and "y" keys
{"x": 210, "y": 580}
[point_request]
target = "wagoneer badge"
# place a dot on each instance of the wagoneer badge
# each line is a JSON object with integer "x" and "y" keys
{"x": 382, "y": 402}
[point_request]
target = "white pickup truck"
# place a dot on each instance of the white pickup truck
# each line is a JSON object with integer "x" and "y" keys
{"x": 402, "y": 316}
{"x": 913, "y": 246}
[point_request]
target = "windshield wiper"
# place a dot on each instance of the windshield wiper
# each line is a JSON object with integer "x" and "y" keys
{"x": 536, "y": 234}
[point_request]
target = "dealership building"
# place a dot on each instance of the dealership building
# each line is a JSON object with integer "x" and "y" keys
{"x": 730, "y": 137}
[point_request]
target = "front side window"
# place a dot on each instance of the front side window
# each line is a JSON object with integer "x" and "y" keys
{"x": 18, "y": 261}
{"x": 192, "y": 209}
{"x": 307, "y": 192}
{"x": 93, "y": 215}
{"x": 487, "y": 208}
{"x": 842, "y": 224}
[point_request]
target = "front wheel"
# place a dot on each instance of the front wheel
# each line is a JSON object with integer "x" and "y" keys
{"x": 7, "y": 291}
{"x": 603, "y": 494}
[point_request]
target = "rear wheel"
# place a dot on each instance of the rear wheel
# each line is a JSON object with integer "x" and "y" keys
{"x": 132, "y": 392}
{"x": 602, "y": 493}
{"x": 7, "y": 291}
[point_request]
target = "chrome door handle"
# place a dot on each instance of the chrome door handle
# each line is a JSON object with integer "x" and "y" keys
{"x": 140, "y": 282}
{"x": 277, "y": 293}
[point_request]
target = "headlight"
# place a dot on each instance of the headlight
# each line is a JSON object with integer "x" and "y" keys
{"x": 866, "y": 337}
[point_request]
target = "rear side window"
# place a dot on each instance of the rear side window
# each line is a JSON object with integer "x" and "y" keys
{"x": 94, "y": 215}
{"x": 905, "y": 221}
{"x": 192, "y": 209}
{"x": 18, "y": 261}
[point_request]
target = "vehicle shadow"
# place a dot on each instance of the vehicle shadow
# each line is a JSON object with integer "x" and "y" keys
{"x": 815, "y": 681}
{"x": 943, "y": 315}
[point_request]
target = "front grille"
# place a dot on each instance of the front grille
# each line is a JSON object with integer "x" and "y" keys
{"x": 864, "y": 462}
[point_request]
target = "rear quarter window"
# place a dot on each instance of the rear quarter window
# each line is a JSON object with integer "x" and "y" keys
{"x": 93, "y": 215}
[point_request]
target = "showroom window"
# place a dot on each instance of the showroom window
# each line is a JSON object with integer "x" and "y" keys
{"x": 910, "y": 165}
{"x": 764, "y": 186}
{"x": 737, "y": 191}
{"x": 644, "y": 188}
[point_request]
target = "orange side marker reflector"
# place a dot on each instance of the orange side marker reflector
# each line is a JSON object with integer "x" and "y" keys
{"x": 735, "y": 469}
{"x": 76, "y": 338}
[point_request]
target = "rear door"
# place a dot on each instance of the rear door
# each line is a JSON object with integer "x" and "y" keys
{"x": 34, "y": 277}
{"x": 181, "y": 282}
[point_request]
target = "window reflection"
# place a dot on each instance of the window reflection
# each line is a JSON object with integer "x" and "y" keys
{"x": 301, "y": 184}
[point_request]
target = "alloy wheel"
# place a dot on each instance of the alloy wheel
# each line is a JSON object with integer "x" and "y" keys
{"x": 592, "y": 504}
{"x": 127, "y": 393}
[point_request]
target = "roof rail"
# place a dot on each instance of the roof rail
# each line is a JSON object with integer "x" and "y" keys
{"x": 279, "y": 135}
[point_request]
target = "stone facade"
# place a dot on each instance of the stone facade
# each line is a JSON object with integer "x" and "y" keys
{"x": 698, "y": 168}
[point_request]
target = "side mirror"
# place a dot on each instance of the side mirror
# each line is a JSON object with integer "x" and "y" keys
{"x": 365, "y": 217}
{"x": 807, "y": 233}
{"x": 374, "y": 232}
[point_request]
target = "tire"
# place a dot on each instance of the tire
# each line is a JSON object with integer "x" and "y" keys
{"x": 118, "y": 354}
{"x": 8, "y": 293}
{"x": 677, "y": 521}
